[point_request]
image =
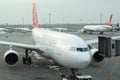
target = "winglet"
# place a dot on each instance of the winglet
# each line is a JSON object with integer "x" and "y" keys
{"x": 110, "y": 20}
{"x": 34, "y": 15}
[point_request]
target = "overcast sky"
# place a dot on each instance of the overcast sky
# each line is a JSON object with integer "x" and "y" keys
{"x": 62, "y": 11}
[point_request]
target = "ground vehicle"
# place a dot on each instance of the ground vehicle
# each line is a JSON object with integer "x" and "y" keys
{"x": 79, "y": 77}
{"x": 84, "y": 77}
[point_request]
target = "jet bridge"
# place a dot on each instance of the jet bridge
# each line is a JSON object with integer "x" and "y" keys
{"x": 108, "y": 47}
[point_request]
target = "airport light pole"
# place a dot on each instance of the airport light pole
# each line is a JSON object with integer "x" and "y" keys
{"x": 49, "y": 18}
{"x": 101, "y": 18}
{"x": 63, "y": 21}
{"x": 81, "y": 21}
{"x": 23, "y": 21}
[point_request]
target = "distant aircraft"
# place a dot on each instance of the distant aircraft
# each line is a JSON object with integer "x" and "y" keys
{"x": 116, "y": 27}
{"x": 22, "y": 29}
{"x": 98, "y": 28}
{"x": 66, "y": 49}
{"x": 3, "y": 31}
{"x": 60, "y": 29}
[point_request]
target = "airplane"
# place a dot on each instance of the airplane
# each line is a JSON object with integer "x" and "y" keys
{"x": 66, "y": 49}
{"x": 3, "y": 31}
{"x": 22, "y": 29}
{"x": 60, "y": 29}
{"x": 98, "y": 28}
{"x": 116, "y": 27}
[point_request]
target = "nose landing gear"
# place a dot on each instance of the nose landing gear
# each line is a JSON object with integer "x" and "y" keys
{"x": 75, "y": 76}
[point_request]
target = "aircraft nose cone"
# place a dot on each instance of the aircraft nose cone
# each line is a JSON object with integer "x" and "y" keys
{"x": 85, "y": 60}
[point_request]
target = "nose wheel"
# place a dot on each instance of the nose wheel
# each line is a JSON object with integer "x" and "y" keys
{"x": 27, "y": 59}
{"x": 73, "y": 75}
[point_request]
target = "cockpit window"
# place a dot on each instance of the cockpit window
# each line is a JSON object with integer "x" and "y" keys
{"x": 82, "y": 49}
{"x": 85, "y": 49}
{"x": 79, "y": 49}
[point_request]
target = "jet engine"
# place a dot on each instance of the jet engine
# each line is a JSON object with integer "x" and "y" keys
{"x": 96, "y": 56}
{"x": 11, "y": 57}
{"x": 83, "y": 31}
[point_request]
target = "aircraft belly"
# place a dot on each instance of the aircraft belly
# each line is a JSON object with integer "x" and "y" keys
{"x": 71, "y": 60}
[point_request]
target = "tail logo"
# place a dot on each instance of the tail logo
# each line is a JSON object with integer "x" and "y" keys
{"x": 110, "y": 20}
{"x": 35, "y": 19}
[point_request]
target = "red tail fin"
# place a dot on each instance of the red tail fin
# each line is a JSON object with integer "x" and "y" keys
{"x": 110, "y": 20}
{"x": 35, "y": 19}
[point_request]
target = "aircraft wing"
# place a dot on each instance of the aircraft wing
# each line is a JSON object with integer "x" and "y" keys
{"x": 96, "y": 40}
{"x": 19, "y": 45}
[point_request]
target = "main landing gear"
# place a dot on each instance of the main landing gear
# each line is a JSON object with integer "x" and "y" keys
{"x": 101, "y": 32}
{"x": 27, "y": 58}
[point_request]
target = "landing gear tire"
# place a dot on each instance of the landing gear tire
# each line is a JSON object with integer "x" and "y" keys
{"x": 101, "y": 32}
{"x": 24, "y": 60}
{"x": 27, "y": 60}
{"x": 91, "y": 32}
{"x": 73, "y": 76}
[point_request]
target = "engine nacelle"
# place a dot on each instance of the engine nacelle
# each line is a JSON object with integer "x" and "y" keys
{"x": 11, "y": 57}
{"x": 83, "y": 31}
{"x": 96, "y": 56}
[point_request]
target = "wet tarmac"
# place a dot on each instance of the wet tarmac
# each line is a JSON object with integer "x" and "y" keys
{"x": 39, "y": 69}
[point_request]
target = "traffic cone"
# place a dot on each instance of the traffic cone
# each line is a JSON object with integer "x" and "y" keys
{"x": 108, "y": 78}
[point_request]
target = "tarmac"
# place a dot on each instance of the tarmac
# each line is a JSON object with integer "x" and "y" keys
{"x": 39, "y": 69}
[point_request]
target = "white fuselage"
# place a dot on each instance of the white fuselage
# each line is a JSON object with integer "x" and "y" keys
{"x": 66, "y": 49}
{"x": 97, "y": 28}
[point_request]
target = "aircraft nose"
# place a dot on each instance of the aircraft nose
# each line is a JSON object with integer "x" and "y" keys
{"x": 84, "y": 60}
